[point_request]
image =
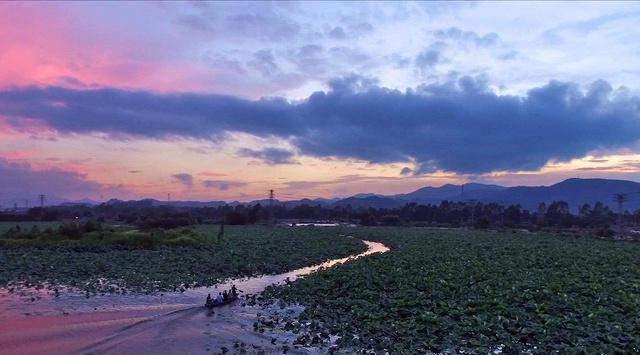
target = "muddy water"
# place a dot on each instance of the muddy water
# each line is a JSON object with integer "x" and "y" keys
{"x": 174, "y": 323}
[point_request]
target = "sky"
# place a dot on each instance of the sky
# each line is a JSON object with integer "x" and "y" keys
{"x": 225, "y": 101}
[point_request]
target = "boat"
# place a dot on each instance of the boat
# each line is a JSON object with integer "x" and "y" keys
{"x": 214, "y": 304}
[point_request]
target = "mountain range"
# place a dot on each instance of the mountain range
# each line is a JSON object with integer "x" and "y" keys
{"x": 574, "y": 191}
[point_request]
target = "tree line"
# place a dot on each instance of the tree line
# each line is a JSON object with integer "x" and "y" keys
{"x": 447, "y": 213}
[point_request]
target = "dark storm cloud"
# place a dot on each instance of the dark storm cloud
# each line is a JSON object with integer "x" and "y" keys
{"x": 271, "y": 156}
{"x": 183, "y": 178}
{"x": 458, "y": 126}
{"x": 145, "y": 114}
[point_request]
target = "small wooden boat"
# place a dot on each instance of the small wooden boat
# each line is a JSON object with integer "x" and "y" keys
{"x": 214, "y": 304}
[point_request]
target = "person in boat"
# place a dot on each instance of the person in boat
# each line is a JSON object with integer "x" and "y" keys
{"x": 225, "y": 295}
{"x": 209, "y": 300}
{"x": 219, "y": 298}
{"x": 234, "y": 291}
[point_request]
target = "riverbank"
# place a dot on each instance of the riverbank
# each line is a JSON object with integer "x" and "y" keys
{"x": 97, "y": 267}
{"x": 173, "y": 322}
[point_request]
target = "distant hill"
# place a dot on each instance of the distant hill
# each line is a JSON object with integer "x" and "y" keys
{"x": 152, "y": 202}
{"x": 574, "y": 191}
{"x": 450, "y": 192}
{"x": 371, "y": 201}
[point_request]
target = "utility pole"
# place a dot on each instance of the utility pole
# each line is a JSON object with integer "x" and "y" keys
{"x": 168, "y": 196}
{"x": 272, "y": 216}
{"x": 620, "y": 199}
{"x": 542, "y": 209}
{"x": 473, "y": 211}
{"x": 42, "y": 198}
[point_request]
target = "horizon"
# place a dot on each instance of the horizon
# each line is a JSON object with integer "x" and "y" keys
{"x": 226, "y": 101}
{"x": 334, "y": 198}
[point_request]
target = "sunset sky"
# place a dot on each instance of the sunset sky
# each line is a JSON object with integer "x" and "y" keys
{"x": 224, "y": 101}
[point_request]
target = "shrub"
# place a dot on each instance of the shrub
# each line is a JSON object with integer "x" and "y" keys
{"x": 605, "y": 232}
{"x": 182, "y": 241}
{"x": 136, "y": 240}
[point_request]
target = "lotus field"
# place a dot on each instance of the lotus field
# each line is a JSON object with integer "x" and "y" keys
{"x": 475, "y": 292}
{"x": 130, "y": 260}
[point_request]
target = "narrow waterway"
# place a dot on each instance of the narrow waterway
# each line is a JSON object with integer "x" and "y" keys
{"x": 172, "y": 323}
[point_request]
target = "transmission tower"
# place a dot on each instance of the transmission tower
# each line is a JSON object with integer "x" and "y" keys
{"x": 620, "y": 199}
{"x": 42, "y": 198}
{"x": 272, "y": 216}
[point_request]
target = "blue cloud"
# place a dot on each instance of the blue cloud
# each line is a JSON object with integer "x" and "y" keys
{"x": 456, "y": 34}
{"x": 428, "y": 58}
{"x": 406, "y": 171}
{"x": 260, "y": 21}
{"x": 271, "y": 156}
{"x": 222, "y": 185}
{"x": 337, "y": 33}
{"x": 184, "y": 178}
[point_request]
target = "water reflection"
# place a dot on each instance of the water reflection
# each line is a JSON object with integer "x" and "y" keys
{"x": 43, "y": 302}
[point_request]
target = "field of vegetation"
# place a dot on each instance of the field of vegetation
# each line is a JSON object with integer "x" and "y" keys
{"x": 474, "y": 292}
{"x": 97, "y": 258}
{"x": 27, "y": 226}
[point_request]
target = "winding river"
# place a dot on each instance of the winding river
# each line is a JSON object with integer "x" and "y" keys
{"x": 169, "y": 323}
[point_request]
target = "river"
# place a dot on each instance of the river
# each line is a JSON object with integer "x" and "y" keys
{"x": 167, "y": 323}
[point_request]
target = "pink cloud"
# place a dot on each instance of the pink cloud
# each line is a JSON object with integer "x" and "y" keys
{"x": 7, "y": 130}
{"x": 211, "y": 173}
{"x": 16, "y": 154}
{"x": 124, "y": 45}
{"x": 69, "y": 45}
